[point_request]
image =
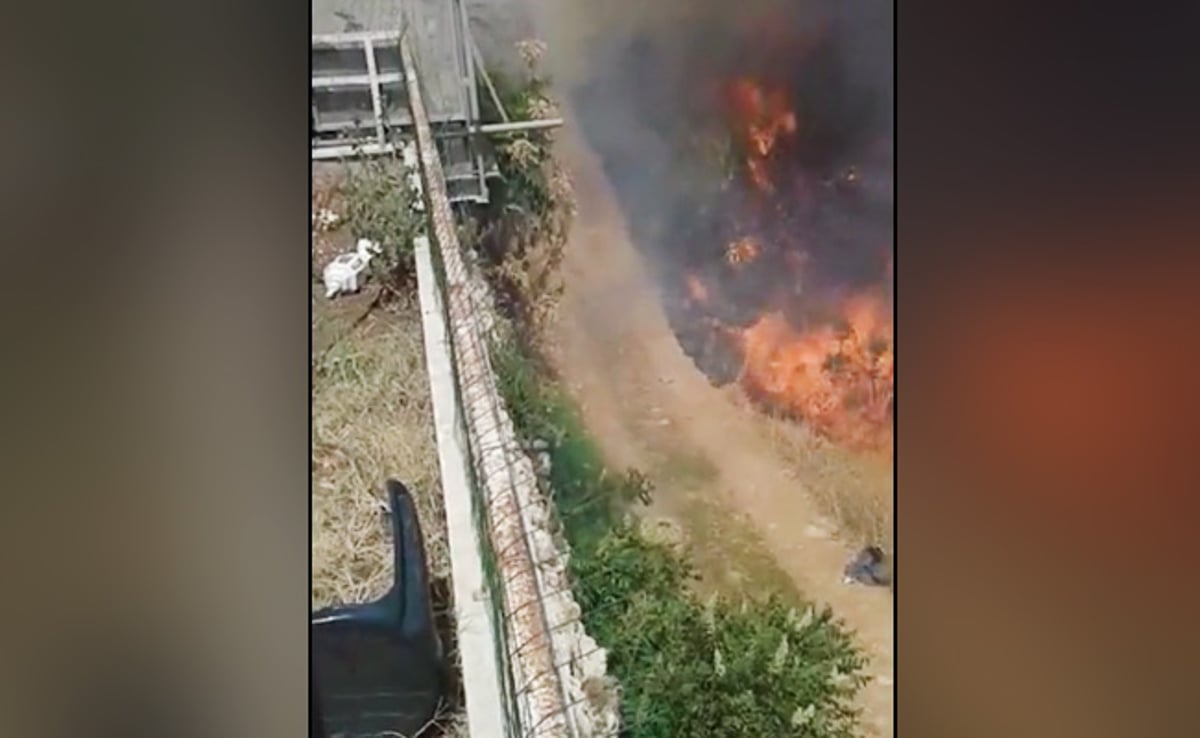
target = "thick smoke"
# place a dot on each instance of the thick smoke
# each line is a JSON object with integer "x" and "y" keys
{"x": 648, "y": 88}
{"x": 640, "y": 83}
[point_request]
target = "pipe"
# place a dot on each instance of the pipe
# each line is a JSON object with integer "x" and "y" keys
{"x": 375, "y": 149}
{"x": 517, "y": 126}
{"x": 487, "y": 78}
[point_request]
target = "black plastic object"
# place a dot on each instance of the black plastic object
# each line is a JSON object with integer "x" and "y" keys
{"x": 869, "y": 566}
{"x": 377, "y": 667}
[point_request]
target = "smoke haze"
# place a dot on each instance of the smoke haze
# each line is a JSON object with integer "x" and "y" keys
{"x": 639, "y": 80}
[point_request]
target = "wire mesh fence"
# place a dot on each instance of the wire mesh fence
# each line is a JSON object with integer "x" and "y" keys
{"x": 547, "y": 665}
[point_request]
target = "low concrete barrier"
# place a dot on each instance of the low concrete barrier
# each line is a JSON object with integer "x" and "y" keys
{"x": 544, "y": 675}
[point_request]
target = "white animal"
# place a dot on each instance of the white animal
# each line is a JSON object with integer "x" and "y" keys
{"x": 341, "y": 274}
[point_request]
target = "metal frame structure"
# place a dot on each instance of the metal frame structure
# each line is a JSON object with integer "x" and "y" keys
{"x": 359, "y": 102}
{"x": 360, "y": 105}
{"x": 331, "y": 119}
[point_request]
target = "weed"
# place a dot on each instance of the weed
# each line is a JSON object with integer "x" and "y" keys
{"x": 531, "y": 211}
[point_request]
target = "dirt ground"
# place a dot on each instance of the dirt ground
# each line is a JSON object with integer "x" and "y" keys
{"x": 717, "y": 474}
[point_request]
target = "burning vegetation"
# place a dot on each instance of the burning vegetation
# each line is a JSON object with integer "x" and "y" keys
{"x": 750, "y": 147}
{"x": 783, "y": 282}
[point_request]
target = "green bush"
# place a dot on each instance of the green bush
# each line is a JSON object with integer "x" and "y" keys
{"x": 721, "y": 668}
{"x": 531, "y": 206}
{"x": 378, "y": 206}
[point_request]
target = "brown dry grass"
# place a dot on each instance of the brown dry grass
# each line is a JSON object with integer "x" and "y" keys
{"x": 371, "y": 419}
{"x": 854, "y": 490}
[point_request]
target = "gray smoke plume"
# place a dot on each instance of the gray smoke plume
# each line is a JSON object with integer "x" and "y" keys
{"x": 645, "y": 85}
{"x": 639, "y": 79}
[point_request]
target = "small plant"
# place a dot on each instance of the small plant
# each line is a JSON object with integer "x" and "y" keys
{"x": 379, "y": 206}
{"x": 531, "y": 211}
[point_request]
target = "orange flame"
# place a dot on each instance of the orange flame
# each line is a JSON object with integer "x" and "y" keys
{"x": 742, "y": 252}
{"x": 839, "y": 381}
{"x": 838, "y": 378}
{"x": 763, "y": 117}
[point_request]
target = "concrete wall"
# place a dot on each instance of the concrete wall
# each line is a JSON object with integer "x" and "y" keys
{"x": 554, "y": 673}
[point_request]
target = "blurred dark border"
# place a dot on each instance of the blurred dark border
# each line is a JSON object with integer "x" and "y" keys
{"x": 156, "y": 385}
{"x": 1046, "y": 262}
{"x": 155, "y": 527}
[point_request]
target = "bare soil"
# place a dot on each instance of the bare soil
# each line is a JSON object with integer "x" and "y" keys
{"x": 738, "y": 501}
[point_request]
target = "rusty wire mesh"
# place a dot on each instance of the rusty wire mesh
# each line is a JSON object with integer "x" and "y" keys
{"x": 544, "y": 652}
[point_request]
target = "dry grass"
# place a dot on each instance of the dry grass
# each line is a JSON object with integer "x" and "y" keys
{"x": 854, "y": 490}
{"x": 371, "y": 419}
{"x": 531, "y": 269}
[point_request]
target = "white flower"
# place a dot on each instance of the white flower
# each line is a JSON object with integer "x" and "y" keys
{"x": 779, "y": 660}
{"x": 805, "y": 621}
{"x": 803, "y": 715}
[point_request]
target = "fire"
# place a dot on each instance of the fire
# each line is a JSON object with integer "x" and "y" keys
{"x": 837, "y": 374}
{"x": 839, "y": 379}
{"x": 742, "y": 251}
{"x": 765, "y": 116}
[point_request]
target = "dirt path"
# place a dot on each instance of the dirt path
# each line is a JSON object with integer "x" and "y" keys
{"x": 648, "y": 406}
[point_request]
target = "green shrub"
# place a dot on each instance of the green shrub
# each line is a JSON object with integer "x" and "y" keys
{"x": 531, "y": 206}
{"x": 378, "y": 206}
{"x": 720, "y": 668}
